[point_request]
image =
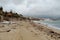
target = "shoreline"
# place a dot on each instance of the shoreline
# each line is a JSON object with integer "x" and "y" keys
{"x": 54, "y": 33}
{"x": 27, "y": 30}
{"x": 50, "y": 26}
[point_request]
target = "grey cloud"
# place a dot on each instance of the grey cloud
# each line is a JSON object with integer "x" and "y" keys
{"x": 18, "y": 1}
{"x": 33, "y": 7}
{"x": 44, "y": 7}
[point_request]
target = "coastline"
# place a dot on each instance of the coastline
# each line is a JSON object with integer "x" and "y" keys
{"x": 48, "y": 25}
{"x": 27, "y": 30}
{"x": 47, "y": 29}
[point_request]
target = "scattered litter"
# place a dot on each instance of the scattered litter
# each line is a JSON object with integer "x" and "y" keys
{"x": 8, "y": 22}
{"x": 8, "y": 30}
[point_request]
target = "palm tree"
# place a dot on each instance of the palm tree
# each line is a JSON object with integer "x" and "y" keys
{"x": 1, "y": 10}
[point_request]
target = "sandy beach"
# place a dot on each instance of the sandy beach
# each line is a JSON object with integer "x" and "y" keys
{"x": 25, "y": 30}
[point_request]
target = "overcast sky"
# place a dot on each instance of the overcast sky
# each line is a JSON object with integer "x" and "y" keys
{"x": 32, "y": 7}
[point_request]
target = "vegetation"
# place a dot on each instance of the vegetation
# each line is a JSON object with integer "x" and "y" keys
{"x": 8, "y": 15}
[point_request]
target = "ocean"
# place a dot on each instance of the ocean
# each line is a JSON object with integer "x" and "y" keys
{"x": 54, "y": 24}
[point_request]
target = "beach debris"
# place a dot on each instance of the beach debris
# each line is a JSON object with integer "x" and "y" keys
{"x": 31, "y": 31}
{"x": 51, "y": 31}
{"x": 36, "y": 34}
{"x": 2, "y": 31}
{"x": 14, "y": 28}
{"x": 8, "y": 22}
{"x": 8, "y": 30}
{"x": 1, "y": 26}
{"x": 58, "y": 37}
